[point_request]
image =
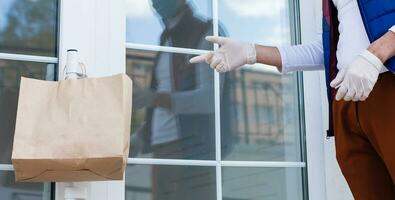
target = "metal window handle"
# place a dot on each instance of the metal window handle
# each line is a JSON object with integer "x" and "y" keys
{"x": 70, "y": 71}
{"x": 69, "y": 75}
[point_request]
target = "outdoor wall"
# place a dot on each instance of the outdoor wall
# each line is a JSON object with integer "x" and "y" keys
{"x": 336, "y": 186}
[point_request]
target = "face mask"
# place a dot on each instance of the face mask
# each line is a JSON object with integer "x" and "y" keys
{"x": 166, "y": 8}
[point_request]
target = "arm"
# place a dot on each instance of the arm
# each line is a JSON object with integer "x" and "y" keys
{"x": 268, "y": 55}
{"x": 356, "y": 81}
{"x": 384, "y": 47}
{"x": 196, "y": 101}
{"x": 234, "y": 54}
{"x": 306, "y": 57}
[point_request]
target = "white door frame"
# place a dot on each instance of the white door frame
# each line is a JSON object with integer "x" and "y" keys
{"x": 97, "y": 29}
{"x": 314, "y": 101}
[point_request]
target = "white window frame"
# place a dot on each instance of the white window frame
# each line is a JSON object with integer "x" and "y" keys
{"x": 315, "y": 102}
{"x": 97, "y": 29}
{"x": 218, "y": 162}
{"x": 27, "y": 58}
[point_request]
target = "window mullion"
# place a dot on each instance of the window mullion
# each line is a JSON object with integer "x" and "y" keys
{"x": 29, "y": 58}
{"x": 6, "y": 167}
{"x": 217, "y": 104}
{"x": 166, "y": 49}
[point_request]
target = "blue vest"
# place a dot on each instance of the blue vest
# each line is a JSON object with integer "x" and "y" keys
{"x": 377, "y": 15}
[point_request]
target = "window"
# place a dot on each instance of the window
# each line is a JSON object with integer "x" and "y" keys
{"x": 197, "y": 134}
{"x": 28, "y": 47}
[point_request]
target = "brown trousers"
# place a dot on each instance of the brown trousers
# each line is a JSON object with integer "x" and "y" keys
{"x": 365, "y": 141}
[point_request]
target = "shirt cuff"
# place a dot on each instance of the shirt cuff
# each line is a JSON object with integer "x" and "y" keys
{"x": 392, "y": 29}
{"x": 372, "y": 59}
{"x": 284, "y": 60}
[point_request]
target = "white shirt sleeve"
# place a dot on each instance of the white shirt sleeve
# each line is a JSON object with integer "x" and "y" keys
{"x": 305, "y": 57}
{"x": 392, "y": 29}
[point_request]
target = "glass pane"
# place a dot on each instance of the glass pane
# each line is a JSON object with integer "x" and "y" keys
{"x": 260, "y": 116}
{"x": 180, "y": 23}
{"x": 10, "y": 73}
{"x": 259, "y": 21}
{"x": 260, "y": 108}
{"x": 28, "y": 27}
{"x": 173, "y": 106}
{"x": 262, "y": 183}
{"x": 9, "y": 190}
{"x": 145, "y": 182}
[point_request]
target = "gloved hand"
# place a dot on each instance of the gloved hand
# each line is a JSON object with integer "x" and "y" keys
{"x": 142, "y": 97}
{"x": 231, "y": 55}
{"x": 356, "y": 81}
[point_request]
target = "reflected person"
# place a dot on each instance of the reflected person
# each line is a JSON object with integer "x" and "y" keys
{"x": 180, "y": 121}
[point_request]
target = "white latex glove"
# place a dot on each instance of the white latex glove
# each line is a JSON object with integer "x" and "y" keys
{"x": 231, "y": 55}
{"x": 356, "y": 81}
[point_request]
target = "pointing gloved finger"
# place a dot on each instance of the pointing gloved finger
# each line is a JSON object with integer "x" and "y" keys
{"x": 216, "y": 39}
{"x": 339, "y": 79}
{"x": 198, "y": 59}
{"x": 341, "y": 92}
{"x": 202, "y": 58}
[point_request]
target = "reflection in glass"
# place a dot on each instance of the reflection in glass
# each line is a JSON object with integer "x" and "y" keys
{"x": 173, "y": 106}
{"x": 173, "y": 111}
{"x": 9, "y": 190}
{"x": 265, "y": 106}
{"x": 28, "y": 27}
{"x": 258, "y": 21}
{"x": 10, "y": 73}
{"x": 145, "y": 182}
{"x": 265, "y": 117}
{"x": 153, "y": 21}
{"x": 262, "y": 183}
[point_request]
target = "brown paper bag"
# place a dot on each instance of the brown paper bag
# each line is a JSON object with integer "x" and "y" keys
{"x": 73, "y": 130}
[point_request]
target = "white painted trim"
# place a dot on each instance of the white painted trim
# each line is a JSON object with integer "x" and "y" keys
{"x": 218, "y": 181}
{"x": 148, "y": 47}
{"x": 155, "y": 161}
{"x": 217, "y": 106}
{"x": 315, "y": 136}
{"x": 262, "y": 164}
{"x": 207, "y": 163}
{"x": 215, "y": 19}
{"x": 310, "y": 17}
{"x": 6, "y": 167}
{"x": 97, "y": 30}
{"x": 30, "y": 58}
